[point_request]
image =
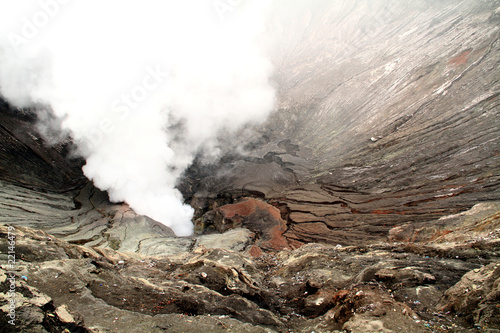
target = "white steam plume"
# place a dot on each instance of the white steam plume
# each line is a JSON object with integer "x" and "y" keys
{"x": 141, "y": 86}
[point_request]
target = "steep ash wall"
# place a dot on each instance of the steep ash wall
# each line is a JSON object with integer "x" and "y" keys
{"x": 388, "y": 113}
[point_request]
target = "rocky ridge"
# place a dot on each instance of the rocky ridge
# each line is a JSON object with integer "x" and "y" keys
{"x": 419, "y": 286}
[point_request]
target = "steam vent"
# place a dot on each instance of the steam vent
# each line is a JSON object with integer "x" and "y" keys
{"x": 363, "y": 197}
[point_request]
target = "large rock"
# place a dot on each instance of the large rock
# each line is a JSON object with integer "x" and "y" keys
{"x": 476, "y": 297}
{"x": 316, "y": 287}
{"x": 68, "y": 285}
{"x": 256, "y": 215}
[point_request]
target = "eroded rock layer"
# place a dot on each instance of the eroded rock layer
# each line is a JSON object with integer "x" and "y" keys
{"x": 388, "y": 114}
{"x": 27, "y": 159}
{"x": 368, "y": 202}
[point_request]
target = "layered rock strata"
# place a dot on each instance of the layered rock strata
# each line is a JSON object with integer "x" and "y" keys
{"x": 368, "y": 202}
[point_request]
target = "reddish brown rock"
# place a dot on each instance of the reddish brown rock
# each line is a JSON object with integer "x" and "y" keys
{"x": 256, "y": 215}
{"x": 255, "y": 251}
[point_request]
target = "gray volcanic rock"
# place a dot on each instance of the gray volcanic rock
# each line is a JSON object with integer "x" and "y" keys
{"x": 86, "y": 217}
{"x": 478, "y": 227}
{"x": 27, "y": 159}
{"x": 317, "y": 287}
{"x": 368, "y": 202}
{"x": 388, "y": 113}
{"x": 477, "y": 294}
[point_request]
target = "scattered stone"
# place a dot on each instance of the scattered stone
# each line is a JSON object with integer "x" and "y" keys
{"x": 324, "y": 287}
{"x": 64, "y": 315}
{"x": 361, "y": 324}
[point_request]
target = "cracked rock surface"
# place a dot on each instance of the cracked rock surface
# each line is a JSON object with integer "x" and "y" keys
{"x": 387, "y": 287}
{"x": 368, "y": 202}
{"x": 387, "y": 114}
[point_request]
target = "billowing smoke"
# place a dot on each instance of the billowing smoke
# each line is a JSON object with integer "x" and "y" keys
{"x": 141, "y": 87}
